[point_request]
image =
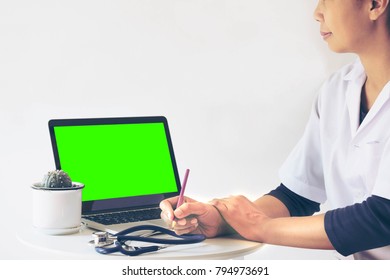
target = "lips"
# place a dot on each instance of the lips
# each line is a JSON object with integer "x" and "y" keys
{"x": 325, "y": 34}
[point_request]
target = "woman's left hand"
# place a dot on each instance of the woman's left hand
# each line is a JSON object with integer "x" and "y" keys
{"x": 243, "y": 216}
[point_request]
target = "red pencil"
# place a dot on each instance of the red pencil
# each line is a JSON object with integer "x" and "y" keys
{"x": 183, "y": 187}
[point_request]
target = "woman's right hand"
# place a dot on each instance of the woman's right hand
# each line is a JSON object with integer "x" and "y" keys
{"x": 192, "y": 217}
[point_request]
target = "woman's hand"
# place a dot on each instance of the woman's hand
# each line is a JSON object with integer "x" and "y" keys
{"x": 243, "y": 216}
{"x": 192, "y": 217}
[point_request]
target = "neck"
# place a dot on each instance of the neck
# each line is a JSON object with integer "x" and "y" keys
{"x": 376, "y": 62}
{"x": 377, "y": 69}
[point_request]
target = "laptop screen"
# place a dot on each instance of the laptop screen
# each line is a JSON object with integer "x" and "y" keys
{"x": 123, "y": 162}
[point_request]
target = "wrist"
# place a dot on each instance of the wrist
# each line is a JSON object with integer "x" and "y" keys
{"x": 265, "y": 230}
{"x": 223, "y": 227}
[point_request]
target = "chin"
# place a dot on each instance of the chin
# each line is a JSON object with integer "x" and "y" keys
{"x": 338, "y": 49}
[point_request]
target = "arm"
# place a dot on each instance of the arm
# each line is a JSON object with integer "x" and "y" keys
{"x": 272, "y": 207}
{"x": 303, "y": 232}
{"x": 282, "y": 202}
{"x": 253, "y": 223}
{"x": 359, "y": 227}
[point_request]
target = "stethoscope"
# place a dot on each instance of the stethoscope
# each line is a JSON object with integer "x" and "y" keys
{"x": 106, "y": 243}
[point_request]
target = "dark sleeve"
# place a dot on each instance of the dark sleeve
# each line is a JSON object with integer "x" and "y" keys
{"x": 297, "y": 205}
{"x": 359, "y": 227}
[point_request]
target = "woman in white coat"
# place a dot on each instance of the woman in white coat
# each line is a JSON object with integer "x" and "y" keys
{"x": 343, "y": 156}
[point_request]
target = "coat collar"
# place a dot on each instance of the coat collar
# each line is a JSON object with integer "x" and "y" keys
{"x": 356, "y": 78}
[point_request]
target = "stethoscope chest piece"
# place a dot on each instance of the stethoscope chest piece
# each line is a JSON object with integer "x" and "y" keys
{"x": 102, "y": 239}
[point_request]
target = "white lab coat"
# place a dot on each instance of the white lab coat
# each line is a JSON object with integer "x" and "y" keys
{"x": 337, "y": 159}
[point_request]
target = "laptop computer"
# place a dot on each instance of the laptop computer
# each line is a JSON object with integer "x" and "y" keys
{"x": 127, "y": 165}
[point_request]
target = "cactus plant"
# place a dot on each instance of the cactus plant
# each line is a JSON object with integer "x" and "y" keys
{"x": 57, "y": 179}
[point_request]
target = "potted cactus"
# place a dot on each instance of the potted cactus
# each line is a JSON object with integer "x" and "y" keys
{"x": 56, "y": 179}
{"x": 57, "y": 204}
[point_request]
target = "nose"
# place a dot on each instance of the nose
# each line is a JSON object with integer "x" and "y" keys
{"x": 318, "y": 14}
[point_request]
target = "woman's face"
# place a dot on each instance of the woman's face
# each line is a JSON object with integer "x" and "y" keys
{"x": 344, "y": 24}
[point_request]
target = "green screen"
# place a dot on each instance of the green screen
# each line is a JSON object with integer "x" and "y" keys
{"x": 117, "y": 160}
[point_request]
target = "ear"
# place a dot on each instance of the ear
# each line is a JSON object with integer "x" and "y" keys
{"x": 378, "y": 8}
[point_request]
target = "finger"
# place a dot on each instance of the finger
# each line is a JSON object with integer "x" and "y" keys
{"x": 166, "y": 207}
{"x": 187, "y": 222}
{"x": 166, "y": 219}
{"x": 185, "y": 230}
{"x": 193, "y": 208}
{"x": 169, "y": 203}
{"x": 184, "y": 224}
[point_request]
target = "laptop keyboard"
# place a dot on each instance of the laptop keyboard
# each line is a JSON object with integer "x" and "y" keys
{"x": 125, "y": 216}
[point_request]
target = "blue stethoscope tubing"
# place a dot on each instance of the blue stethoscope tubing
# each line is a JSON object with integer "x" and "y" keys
{"x": 122, "y": 237}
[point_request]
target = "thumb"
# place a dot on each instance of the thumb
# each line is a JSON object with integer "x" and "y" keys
{"x": 191, "y": 208}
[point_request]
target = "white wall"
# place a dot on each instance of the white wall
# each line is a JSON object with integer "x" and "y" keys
{"x": 235, "y": 78}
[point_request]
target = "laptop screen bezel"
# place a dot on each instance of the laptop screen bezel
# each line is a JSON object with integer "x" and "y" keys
{"x": 118, "y": 204}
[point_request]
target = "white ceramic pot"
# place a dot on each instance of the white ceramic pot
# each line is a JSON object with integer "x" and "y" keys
{"x": 57, "y": 211}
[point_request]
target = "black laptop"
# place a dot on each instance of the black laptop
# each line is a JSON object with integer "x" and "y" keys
{"x": 127, "y": 165}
